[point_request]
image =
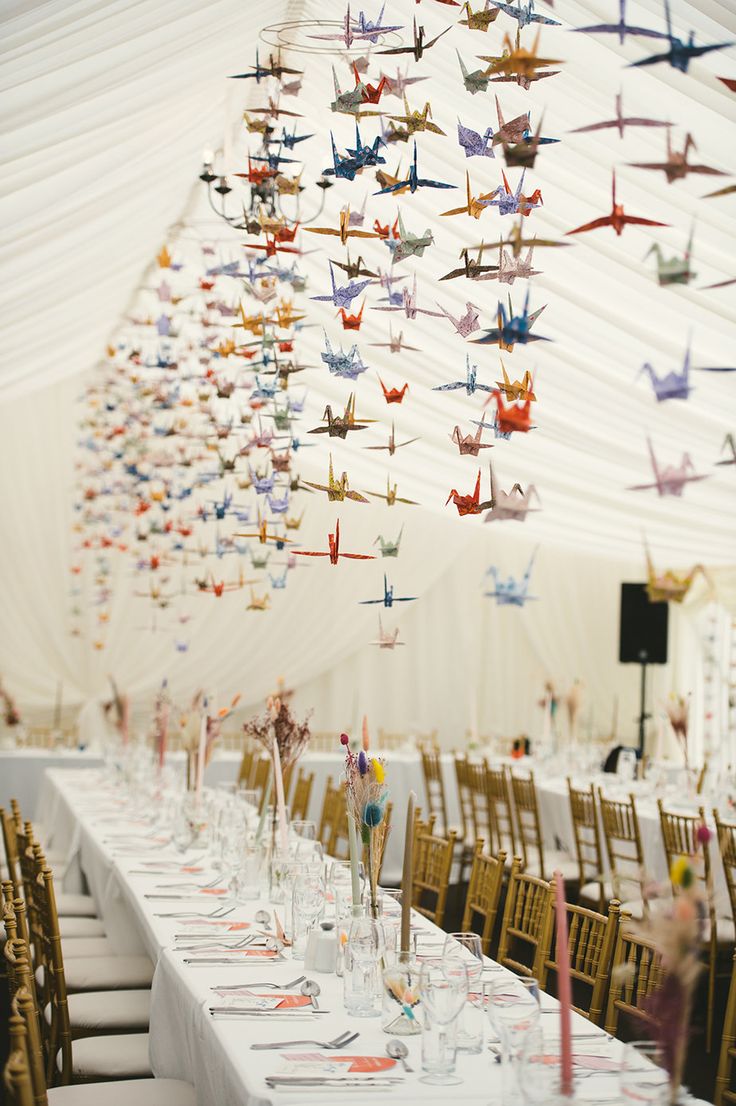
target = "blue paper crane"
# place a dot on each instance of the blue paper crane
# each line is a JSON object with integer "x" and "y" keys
{"x": 413, "y": 181}
{"x": 511, "y": 592}
{"x": 348, "y": 365}
{"x": 470, "y": 384}
{"x": 680, "y": 53}
{"x": 389, "y": 598}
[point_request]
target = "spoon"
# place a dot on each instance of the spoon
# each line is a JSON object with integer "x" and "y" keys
{"x": 397, "y": 1050}
{"x": 262, "y": 917}
{"x": 311, "y": 988}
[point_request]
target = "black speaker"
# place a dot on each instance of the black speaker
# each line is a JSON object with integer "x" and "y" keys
{"x": 643, "y": 627}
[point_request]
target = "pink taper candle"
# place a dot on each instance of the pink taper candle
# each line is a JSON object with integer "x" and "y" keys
{"x": 280, "y": 799}
{"x": 201, "y": 751}
{"x": 366, "y": 735}
{"x": 564, "y": 988}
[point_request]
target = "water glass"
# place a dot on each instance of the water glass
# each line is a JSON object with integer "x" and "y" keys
{"x": 307, "y": 904}
{"x": 512, "y": 1008}
{"x": 468, "y": 948}
{"x": 362, "y": 971}
{"x": 443, "y": 986}
{"x": 539, "y": 1070}
{"x": 250, "y": 875}
{"x": 644, "y": 1079}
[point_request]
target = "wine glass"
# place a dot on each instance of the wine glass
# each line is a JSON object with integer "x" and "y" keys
{"x": 644, "y": 1078}
{"x": 468, "y": 949}
{"x": 443, "y": 987}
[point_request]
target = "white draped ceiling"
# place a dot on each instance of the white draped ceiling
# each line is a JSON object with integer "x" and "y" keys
{"x": 106, "y": 110}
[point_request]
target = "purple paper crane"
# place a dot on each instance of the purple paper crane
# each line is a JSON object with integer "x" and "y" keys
{"x": 669, "y": 479}
{"x": 475, "y": 144}
{"x": 409, "y": 303}
{"x": 466, "y": 324}
{"x": 511, "y": 203}
{"x": 343, "y": 295}
{"x": 674, "y": 385}
{"x": 622, "y": 28}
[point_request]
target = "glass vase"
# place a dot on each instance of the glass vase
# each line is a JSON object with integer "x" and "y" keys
{"x": 401, "y": 1015}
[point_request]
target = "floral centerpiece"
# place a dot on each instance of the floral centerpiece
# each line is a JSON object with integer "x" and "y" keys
{"x": 11, "y": 714}
{"x": 678, "y": 710}
{"x": 366, "y": 794}
{"x": 284, "y": 738}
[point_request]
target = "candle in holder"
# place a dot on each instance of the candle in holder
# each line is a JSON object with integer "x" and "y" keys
{"x": 406, "y": 877}
{"x": 280, "y": 800}
{"x": 564, "y": 988}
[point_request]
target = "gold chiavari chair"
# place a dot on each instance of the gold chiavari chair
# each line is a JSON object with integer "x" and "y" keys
{"x": 482, "y": 818}
{"x": 434, "y": 783}
{"x": 524, "y": 921}
{"x": 390, "y": 742}
{"x": 594, "y": 890}
{"x": 333, "y": 802}
{"x": 484, "y": 892}
{"x": 680, "y": 838}
{"x": 591, "y": 941}
{"x": 324, "y": 741}
{"x": 536, "y": 859}
{"x": 25, "y": 1083}
{"x": 625, "y": 852}
{"x": 432, "y": 857}
{"x": 725, "y": 1091}
{"x": 467, "y": 834}
{"x": 260, "y": 773}
{"x": 726, "y": 833}
{"x": 123, "y": 1049}
{"x": 302, "y": 795}
{"x": 636, "y": 973}
{"x": 501, "y": 807}
{"x": 246, "y": 766}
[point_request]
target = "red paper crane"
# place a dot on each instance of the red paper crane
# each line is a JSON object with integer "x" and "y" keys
{"x": 617, "y": 219}
{"x": 351, "y": 322}
{"x": 370, "y": 93}
{"x": 393, "y": 395}
{"x": 514, "y": 417}
{"x": 333, "y": 551}
{"x": 469, "y": 504}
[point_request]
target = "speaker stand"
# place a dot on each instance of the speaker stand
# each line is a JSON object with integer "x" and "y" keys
{"x": 643, "y": 716}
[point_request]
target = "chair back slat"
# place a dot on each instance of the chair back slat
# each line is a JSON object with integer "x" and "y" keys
{"x": 528, "y": 822}
{"x": 484, "y": 892}
{"x": 725, "y": 1089}
{"x": 525, "y": 921}
{"x": 302, "y": 795}
{"x": 726, "y": 834}
{"x": 432, "y": 865}
{"x": 623, "y": 846}
{"x": 500, "y": 805}
{"x": 586, "y": 830}
{"x": 636, "y": 973}
{"x": 434, "y": 783}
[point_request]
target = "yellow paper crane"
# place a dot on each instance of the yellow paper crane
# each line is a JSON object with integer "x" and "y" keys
{"x": 670, "y": 586}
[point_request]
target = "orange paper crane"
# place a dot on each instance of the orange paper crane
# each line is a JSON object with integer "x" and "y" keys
{"x": 333, "y": 550}
{"x": 514, "y": 417}
{"x": 481, "y": 19}
{"x": 469, "y": 504}
{"x": 351, "y": 322}
{"x": 393, "y": 395}
{"x": 474, "y": 206}
{"x": 259, "y": 602}
{"x": 518, "y": 64}
{"x": 344, "y": 230}
{"x": 257, "y": 174}
{"x": 617, "y": 219}
{"x": 262, "y": 533}
{"x": 669, "y": 586}
{"x": 520, "y": 389}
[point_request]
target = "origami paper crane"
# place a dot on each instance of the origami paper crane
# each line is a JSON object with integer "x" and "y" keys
{"x": 278, "y": 505}
{"x": 513, "y": 328}
{"x": 674, "y": 385}
{"x": 620, "y": 121}
{"x": 344, "y": 230}
{"x": 622, "y": 28}
{"x": 677, "y": 166}
{"x": 391, "y": 495}
{"x": 389, "y": 548}
{"x": 617, "y": 219}
{"x": 408, "y": 244}
{"x": 352, "y": 162}
{"x": 525, "y": 14}
{"x": 274, "y": 111}
{"x": 511, "y": 506}
{"x": 372, "y": 29}
{"x": 414, "y": 181}
{"x": 729, "y": 443}
{"x": 417, "y": 121}
{"x": 262, "y": 534}
{"x": 337, "y": 490}
{"x": 675, "y": 269}
{"x": 408, "y": 303}
{"x": 387, "y": 639}
{"x": 469, "y": 445}
{"x": 392, "y": 445}
{"x": 520, "y": 389}
{"x": 258, "y": 602}
{"x": 470, "y": 384}
{"x": 344, "y": 295}
{"x": 511, "y": 592}
{"x": 419, "y": 46}
{"x": 291, "y": 140}
{"x": 260, "y": 560}
{"x": 347, "y": 103}
{"x": 514, "y": 417}
{"x": 669, "y": 586}
{"x": 481, "y": 19}
{"x": 398, "y": 84}
{"x": 475, "y": 144}
{"x": 509, "y": 268}
{"x": 469, "y": 504}
{"x": 339, "y": 426}
{"x": 350, "y": 32}
{"x": 472, "y": 268}
{"x": 679, "y": 53}
{"x": 669, "y": 479}
{"x": 466, "y": 324}
{"x": 516, "y": 241}
{"x": 348, "y": 365}
{"x": 474, "y": 206}
{"x": 262, "y": 483}
{"x": 391, "y": 395}
{"x": 519, "y": 65}
{"x": 475, "y": 81}
{"x": 333, "y": 550}
{"x": 354, "y": 269}
{"x": 395, "y": 345}
{"x": 351, "y": 322}
{"x": 386, "y": 180}
{"x": 509, "y": 202}
{"x": 278, "y": 583}
{"x": 388, "y": 599}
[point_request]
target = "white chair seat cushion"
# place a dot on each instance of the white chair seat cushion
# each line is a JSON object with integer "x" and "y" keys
{"x": 553, "y": 862}
{"x": 101, "y": 1012}
{"x": 87, "y": 946}
{"x": 121, "y": 1056}
{"x": 107, "y": 973}
{"x": 590, "y": 893}
{"x": 75, "y": 906}
{"x": 634, "y": 907}
{"x": 81, "y": 927}
{"x": 142, "y": 1092}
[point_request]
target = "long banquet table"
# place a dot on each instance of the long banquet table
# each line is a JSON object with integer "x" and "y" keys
{"x": 114, "y": 842}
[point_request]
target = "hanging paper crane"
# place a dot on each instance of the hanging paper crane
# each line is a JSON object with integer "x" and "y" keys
{"x": 333, "y": 550}
{"x": 673, "y": 385}
{"x": 388, "y": 599}
{"x": 391, "y": 548}
{"x": 511, "y": 506}
{"x": 511, "y": 592}
{"x": 669, "y": 479}
{"x": 669, "y": 586}
{"x": 469, "y": 504}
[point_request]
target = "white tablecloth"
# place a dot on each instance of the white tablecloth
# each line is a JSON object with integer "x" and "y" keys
{"x": 21, "y": 773}
{"x": 186, "y": 1042}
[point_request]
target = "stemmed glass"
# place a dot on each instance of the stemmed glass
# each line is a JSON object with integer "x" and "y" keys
{"x": 467, "y": 948}
{"x": 512, "y": 1007}
{"x": 443, "y": 987}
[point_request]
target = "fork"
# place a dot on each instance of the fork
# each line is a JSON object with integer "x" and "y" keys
{"x": 218, "y": 912}
{"x": 188, "y": 886}
{"x": 342, "y": 1041}
{"x": 276, "y": 986}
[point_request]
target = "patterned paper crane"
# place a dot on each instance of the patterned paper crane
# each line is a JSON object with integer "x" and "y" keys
{"x": 511, "y": 592}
